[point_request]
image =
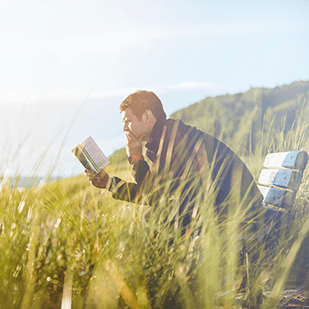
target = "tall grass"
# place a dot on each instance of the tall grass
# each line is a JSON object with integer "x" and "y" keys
{"x": 115, "y": 254}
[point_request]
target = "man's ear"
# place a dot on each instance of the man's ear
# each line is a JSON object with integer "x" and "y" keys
{"x": 147, "y": 116}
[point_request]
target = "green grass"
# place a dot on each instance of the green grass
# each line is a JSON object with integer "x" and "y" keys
{"x": 69, "y": 228}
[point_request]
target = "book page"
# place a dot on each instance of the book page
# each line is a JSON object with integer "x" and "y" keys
{"x": 90, "y": 155}
{"x": 95, "y": 153}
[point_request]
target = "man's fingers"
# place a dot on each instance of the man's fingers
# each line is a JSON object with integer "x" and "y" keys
{"x": 133, "y": 144}
{"x": 88, "y": 172}
{"x": 91, "y": 174}
{"x": 99, "y": 180}
{"x": 101, "y": 174}
{"x": 132, "y": 140}
{"x": 130, "y": 137}
{"x": 93, "y": 177}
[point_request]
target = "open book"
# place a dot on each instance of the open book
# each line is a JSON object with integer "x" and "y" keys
{"x": 90, "y": 155}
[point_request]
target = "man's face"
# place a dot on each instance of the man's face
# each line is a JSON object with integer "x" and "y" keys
{"x": 131, "y": 124}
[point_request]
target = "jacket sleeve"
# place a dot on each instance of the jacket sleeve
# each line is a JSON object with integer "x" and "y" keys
{"x": 128, "y": 191}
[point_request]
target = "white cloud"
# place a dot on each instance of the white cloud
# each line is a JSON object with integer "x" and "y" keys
{"x": 67, "y": 96}
{"x": 71, "y": 96}
{"x": 192, "y": 85}
{"x": 106, "y": 43}
{"x": 211, "y": 31}
{"x": 17, "y": 98}
{"x": 5, "y": 5}
{"x": 113, "y": 93}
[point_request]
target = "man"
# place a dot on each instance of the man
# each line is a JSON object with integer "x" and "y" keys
{"x": 187, "y": 166}
{"x": 181, "y": 157}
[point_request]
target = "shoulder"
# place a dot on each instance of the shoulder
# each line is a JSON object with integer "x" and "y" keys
{"x": 184, "y": 130}
{"x": 180, "y": 126}
{"x": 194, "y": 135}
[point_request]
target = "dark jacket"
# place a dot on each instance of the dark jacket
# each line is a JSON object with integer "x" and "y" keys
{"x": 187, "y": 158}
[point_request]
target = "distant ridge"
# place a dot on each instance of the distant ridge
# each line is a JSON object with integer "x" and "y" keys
{"x": 244, "y": 117}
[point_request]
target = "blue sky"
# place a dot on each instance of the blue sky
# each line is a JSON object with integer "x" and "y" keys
{"x": 77, "y": 52}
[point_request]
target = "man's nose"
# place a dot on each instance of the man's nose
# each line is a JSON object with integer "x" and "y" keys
{"x": 125, "y": 127}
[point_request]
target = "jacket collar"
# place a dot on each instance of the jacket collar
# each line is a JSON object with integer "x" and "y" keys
{"x": 154, "y": 140}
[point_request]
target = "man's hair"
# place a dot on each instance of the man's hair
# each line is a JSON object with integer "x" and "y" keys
{"x": 142, "y": 100}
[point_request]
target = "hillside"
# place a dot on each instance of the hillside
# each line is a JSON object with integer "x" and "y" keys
{"x": 241, "y": 119}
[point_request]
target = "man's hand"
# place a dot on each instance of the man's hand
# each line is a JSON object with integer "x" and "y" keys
{"x": 133, "y": 144}
{"x": 99, "y": 180}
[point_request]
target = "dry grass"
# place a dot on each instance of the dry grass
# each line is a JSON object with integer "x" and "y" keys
{"x": 108, "y": 246}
